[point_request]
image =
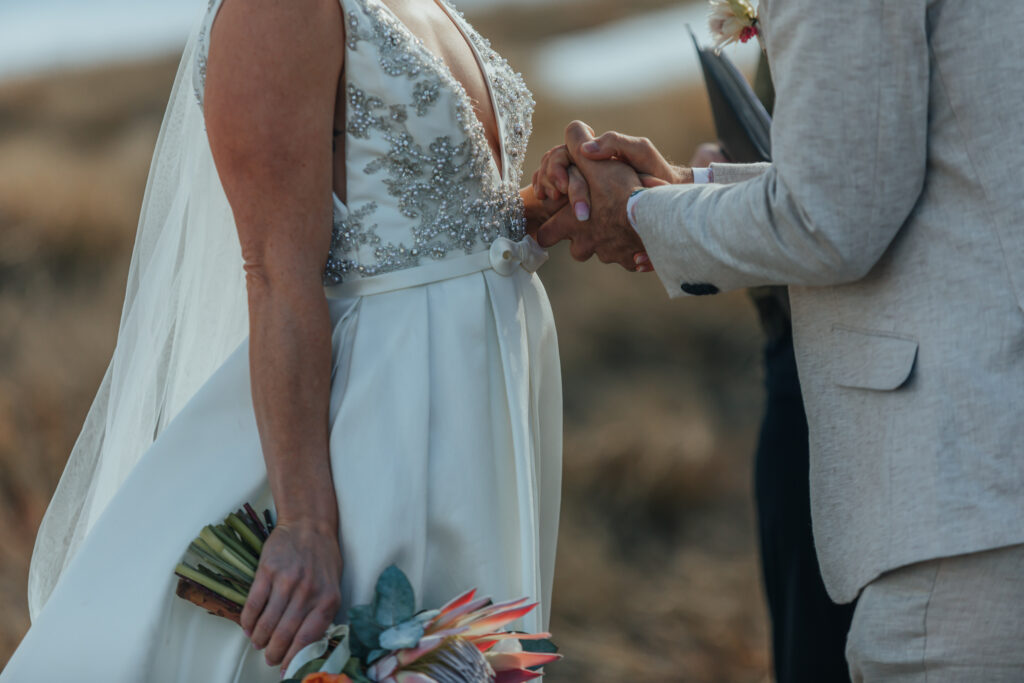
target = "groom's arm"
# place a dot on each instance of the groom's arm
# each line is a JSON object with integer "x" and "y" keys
{"x": 730, "y": 174}
{"x": 849, "y": 140}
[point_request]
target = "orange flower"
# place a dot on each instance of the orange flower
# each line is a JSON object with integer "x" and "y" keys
{"x": 320, "y": 677}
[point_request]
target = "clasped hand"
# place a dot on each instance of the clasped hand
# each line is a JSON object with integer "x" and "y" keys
{"x": 598, "y": 175}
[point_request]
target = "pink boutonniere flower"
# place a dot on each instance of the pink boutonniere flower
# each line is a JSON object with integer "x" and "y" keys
{"x": 733, "y": 21}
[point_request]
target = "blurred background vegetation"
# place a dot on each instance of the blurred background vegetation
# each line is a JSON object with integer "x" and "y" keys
{"x": 657, "y": 578}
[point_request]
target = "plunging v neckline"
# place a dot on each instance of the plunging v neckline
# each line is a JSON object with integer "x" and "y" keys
{"x": 499, "y": 161}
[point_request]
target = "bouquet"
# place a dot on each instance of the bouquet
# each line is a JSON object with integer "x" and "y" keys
{"x": 386, "y": 641}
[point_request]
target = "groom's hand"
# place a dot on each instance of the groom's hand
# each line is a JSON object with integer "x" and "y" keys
{"x": 553, "y": 178}
{"x": 640, "y": 153}
{"x": 606, "y": 232}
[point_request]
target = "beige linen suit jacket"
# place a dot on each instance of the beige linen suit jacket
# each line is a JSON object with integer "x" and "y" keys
{"x": 895, "y": 211}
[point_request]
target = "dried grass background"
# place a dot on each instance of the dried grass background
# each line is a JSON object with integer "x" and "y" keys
{"x": 657, "y": 577}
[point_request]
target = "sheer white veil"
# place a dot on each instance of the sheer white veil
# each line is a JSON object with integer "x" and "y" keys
{"x": 184, "y": 313}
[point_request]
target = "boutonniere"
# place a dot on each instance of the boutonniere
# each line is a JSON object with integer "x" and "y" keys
{"x": 733, "y": 21}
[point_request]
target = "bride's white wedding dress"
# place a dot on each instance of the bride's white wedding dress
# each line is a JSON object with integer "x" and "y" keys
{"x": 445, "y": 409}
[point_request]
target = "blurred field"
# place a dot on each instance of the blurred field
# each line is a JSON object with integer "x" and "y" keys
{"x": 657, "y": 577}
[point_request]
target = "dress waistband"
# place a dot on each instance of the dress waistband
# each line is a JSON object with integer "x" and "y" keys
{"x": 503, "y": 257}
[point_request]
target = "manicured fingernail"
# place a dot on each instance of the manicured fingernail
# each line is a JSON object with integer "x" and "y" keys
{"x": 582, "y": 211}
{"x": 641, "y": 259}
{"x": 591, "y": 146}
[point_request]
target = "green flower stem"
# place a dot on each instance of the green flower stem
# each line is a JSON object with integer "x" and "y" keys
{"x": 209, "y": 583}
{"x": 210, "y": 536}
{"x": 217, "y": 562}
{"x": 253, "y": 541}
{"x": 225, "y": 534}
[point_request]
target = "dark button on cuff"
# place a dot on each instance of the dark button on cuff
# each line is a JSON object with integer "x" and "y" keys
{"x": 701, "y": 289}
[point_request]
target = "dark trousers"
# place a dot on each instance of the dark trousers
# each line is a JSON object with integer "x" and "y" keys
{"x": 808, "y": 629}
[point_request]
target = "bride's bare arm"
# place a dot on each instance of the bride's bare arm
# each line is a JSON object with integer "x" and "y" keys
{"x": 272, "y": 78}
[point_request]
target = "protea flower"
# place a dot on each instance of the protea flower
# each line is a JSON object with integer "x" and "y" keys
{"x": 463, "y": 643}
{"x": 732, "y": 21}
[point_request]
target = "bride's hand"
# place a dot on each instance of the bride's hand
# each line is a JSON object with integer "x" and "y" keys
{"x": 538, "y": 211}
{"x": 296, "y": 593}
{"x": 558, "y": 179}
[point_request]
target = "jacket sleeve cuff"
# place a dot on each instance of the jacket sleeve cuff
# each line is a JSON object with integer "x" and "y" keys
{"x": 668, "y": 245}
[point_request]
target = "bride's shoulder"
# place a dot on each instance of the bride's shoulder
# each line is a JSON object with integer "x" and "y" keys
{"x": 266, "y": 39}
{"x": 278, "y": 19}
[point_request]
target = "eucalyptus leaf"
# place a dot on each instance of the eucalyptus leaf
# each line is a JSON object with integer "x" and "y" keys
{"x": 426, "y": 615}
{"x": 354, "y": 670}
{"x": 405, "y": 635}
{"x": 365, "y": 630}
{"x": 395, "y": 600}
{"x": 545, "y": 646}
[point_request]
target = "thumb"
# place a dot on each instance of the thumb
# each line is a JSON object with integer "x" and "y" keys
{"x": 577, "y": 134}
{"x": 559, "y": 227}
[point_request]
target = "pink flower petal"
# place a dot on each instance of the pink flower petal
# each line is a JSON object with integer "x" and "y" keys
{"x": 413, "y": 677}
{"x": 508, "y": 661}
{"x": 485, "y": 645}
{"x": 519, "y": 636}
{"x": 496, "y": 621}
{"x": 458, "y": 602}
{"x": 448, "y": 633}
{"x": 455, "y": 615}
{"x": 516, "y": 676}
{"x": 383, "y": 668}
{"x": 427, "y": 644}
{"x": 507, "y": 605}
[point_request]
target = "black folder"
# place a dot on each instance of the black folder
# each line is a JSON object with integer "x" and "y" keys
{"x": 742, "y": 123}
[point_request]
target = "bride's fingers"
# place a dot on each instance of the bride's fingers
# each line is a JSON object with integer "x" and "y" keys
{"x": 643, "y": 262}
{"x": 579, "y": 194}
{"x": 283, "y": 637}
{"x": 259, "y": 593}
{"x": 552, "y": 178}
{"x": 538, "y": 190}
{"x": 271, "y": 615}
{"x": 311, "y": 630}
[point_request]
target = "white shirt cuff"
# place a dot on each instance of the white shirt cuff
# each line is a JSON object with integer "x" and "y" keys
{"x": 631, "y": 208}
{"x": 701, "y": 176}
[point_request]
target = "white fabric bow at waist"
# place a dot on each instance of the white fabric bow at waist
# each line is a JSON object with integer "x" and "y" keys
{"x": 506, "y": 255}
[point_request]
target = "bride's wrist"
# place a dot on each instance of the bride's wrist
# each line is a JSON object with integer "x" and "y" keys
{"x": 319, "y": 525}
{"x": 312, "y": 510}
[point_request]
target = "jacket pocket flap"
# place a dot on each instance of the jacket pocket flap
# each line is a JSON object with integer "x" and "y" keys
{"x": 871, "y": 360}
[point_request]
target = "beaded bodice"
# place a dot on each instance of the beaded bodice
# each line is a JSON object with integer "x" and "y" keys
{"x": 422, "y": 182}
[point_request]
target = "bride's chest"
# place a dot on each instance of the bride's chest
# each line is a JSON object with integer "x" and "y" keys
{"x": 449, "y": 87}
